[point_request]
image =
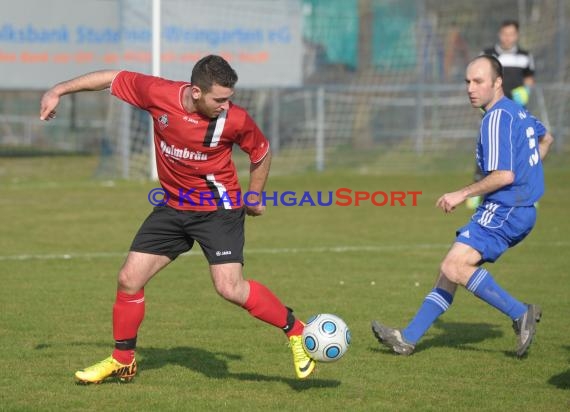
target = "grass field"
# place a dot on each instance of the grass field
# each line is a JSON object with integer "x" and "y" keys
{"x": 64, "y": 237}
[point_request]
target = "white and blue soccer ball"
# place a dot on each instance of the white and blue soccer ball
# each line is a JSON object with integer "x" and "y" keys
{"x": 326, "y": 337}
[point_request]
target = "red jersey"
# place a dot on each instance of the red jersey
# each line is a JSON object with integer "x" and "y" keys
{"x": 193, "y": 151}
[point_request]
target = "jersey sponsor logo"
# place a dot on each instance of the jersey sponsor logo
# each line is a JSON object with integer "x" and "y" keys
{"x": 163, "y": 121}
{"x": 181, "y": 153}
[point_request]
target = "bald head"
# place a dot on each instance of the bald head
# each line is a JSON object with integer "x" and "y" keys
{"x": 484, "y": 79}
{"x": 495, "y": 66}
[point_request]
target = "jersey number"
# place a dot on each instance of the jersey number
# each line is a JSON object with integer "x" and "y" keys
{"x": 534, "y": 157}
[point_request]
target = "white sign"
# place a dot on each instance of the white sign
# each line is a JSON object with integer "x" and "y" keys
{"x": 44, "y": 42}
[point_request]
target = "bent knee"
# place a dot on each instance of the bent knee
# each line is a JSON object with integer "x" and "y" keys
{"x": 127, "y": 281}
{"x": 227, "y": 290}
{"x": 456, "y": 271}
{"x": 235, "y": 292}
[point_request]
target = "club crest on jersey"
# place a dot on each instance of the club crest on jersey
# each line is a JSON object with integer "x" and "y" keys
{"x": 163, "y": 121}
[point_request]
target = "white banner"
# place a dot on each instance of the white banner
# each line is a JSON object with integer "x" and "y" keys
{"x": 44, "y": 42}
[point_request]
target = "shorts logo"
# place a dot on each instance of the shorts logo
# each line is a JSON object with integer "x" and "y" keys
{"x": 223, "y": 252}
{"x": 163, "y": 121}
{"x": 465, "y": 234}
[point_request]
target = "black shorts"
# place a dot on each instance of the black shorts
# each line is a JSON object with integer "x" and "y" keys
{"x": 170, "y": 232}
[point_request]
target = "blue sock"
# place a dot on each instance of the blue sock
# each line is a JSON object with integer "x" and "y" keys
{"x": 435, "y": 303}
{"x": 482, "y": 285}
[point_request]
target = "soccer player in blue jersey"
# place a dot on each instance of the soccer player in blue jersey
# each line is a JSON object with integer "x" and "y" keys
{"x": 518, "y": 76}
{"x": 510, "y": 150}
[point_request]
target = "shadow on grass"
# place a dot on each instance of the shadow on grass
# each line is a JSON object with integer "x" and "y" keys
{"x": 562, "y": 380}
{"x": 461, "y": 336}
{"x": 210, "y": 364}
{"x": 215, "y": 365}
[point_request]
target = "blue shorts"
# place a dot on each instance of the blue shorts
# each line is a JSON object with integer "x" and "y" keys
{"x": 495, "y": 228}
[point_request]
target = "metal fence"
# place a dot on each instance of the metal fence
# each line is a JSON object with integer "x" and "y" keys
{"x": 395, "y": 93}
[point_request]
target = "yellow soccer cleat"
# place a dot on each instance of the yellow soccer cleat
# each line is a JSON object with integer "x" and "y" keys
{"x": 107, "y": 368}
{"x": 304, "y": 365}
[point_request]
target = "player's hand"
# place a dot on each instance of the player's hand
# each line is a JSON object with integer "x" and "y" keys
{"x": 49, "y": 102}
{"x": 253, "y": 204}
{"x": 256, "y": 210}
{"x": 449, "y": 201}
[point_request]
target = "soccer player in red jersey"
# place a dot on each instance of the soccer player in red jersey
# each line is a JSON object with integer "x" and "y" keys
{"x": 195, "y": 128}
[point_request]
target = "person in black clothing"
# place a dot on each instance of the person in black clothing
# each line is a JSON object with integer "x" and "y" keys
{"x": 518, "y": 64}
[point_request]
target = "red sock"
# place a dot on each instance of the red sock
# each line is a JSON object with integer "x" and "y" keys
{"x": 264, "y": 305}
{"x": 128, "y": 313}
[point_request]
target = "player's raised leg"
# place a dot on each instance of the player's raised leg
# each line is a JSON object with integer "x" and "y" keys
{"x": 262, "y": 304}
{"x": 128, "y": 313}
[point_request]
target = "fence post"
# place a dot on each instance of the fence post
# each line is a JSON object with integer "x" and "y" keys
{"x": 156, "y": 55}
{"x": 275, "y": 109}
{"x": 125, "y": 140}
{"x": 320, "y": 132}
{"x": 561, "y": 52}
{"x": 421, "y": 68}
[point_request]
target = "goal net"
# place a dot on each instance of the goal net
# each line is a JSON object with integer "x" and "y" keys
{"x": 370, "y": 85}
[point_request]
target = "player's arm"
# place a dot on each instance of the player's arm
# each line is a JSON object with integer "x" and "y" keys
{"x": 490, "y": 183}
{"x": 497, "y": 154}
{"x": 98, "y": 80}
{"x": 258, "y": 173}
{"x": 544, "y": 143}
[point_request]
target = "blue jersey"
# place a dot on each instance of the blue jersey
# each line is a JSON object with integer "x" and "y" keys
{"x": 509, "y": 141}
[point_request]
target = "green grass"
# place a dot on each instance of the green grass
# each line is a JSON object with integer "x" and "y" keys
{"x": 64, "y": 236}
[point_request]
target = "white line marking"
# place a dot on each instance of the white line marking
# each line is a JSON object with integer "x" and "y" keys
{"x": 276, "y": 251}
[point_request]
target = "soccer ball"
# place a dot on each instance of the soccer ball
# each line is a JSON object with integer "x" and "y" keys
{"x": 326, "y": 337}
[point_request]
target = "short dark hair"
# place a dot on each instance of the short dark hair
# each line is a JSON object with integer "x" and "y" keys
{"x": 210, "y": 70}
{"x": 510, "y": 22}
{"x": 496, "y": 66}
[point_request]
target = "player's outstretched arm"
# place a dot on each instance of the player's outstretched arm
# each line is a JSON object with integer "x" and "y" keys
{"x": 258, "y": 174}
{"x": 98, "y": 80}
{"x": 544, "y": 144}
{"x": 490, "y": 183}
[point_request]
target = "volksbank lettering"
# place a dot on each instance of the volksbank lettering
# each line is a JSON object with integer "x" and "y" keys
{"x": 82, "y": 34}
{"x": 31, "y": 34}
